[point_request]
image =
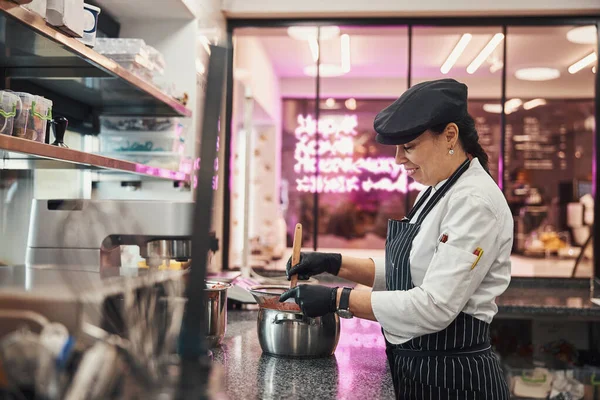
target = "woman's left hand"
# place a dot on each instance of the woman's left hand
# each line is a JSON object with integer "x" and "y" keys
{"x": 314, "y": 300}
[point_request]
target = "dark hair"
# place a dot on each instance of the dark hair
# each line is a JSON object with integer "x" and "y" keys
{"x": 468, "y": 137}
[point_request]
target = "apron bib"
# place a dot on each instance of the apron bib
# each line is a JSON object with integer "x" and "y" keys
{"x": 455, "y": 363}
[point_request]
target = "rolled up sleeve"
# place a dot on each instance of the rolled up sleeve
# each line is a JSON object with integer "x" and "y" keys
{"x": 452, "y": 277}
{"x": 379, "y": 282}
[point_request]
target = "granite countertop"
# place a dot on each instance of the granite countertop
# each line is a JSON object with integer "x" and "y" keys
{"x": 548, "y": 297}
{"x": 531, "y": 297}
{"x": 357, "y": 370}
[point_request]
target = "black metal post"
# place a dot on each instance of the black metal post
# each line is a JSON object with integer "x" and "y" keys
{"x": 407, "y": 204}
{"x": 317, "y": 138}
{"x": 595, "y": 170}
{"x": 226, "y": 184}
{"x": 195, "y": 365}
{"x": 502, "y": 156}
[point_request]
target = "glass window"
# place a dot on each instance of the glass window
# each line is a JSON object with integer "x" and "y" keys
{"x": 473, "y": 56}
{"x": 549, "y": 139}
{"x": 358, "y": 183}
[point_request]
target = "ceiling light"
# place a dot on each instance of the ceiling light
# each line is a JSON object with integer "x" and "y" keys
{"x": 350, "y": 104}
{"x": 583, "y": 35}
{"x": 485, "y": 53}
{"x": 492, "y": 108}
{"x": 594, "y": 69}
{"x": 458, "y": 49}
{"x": 537, "y": 74}
{"x": 314, "y": 49}
{"x": 330, "y": 102}
{"x": 311, "y": 32}
{"x": 496, "y": 65}
{"x": 528, "y": 105}
{"x": 345, "y": 50}
{"x": 325, "y": 70}
{"x": 510, "y": 106}
{"x": 584, "y": 62}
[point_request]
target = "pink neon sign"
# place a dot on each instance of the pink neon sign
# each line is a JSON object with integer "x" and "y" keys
{"x": 339, "y": 172}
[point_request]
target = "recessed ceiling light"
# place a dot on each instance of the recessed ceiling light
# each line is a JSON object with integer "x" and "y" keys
{"x": 528, "y": 105}
{"x": 492, "y": 108}
{"x": 583, "y": 35}
{"x": 456, "y": 52}
{"x": 310, "y": 32}
{"x": 325, "y": 70}
{"x": 330, "y": 102}
{"x": 594, "y": 69}
{"x": 350, "y": 104}
{"x": 584, "y": 62}
{"x": 537, "y": 74}
{"x": 510, "y": 106}
{"x": 496, "y": 66}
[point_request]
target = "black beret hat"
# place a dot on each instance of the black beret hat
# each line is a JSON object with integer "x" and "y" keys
{"x": 421, "y": 107}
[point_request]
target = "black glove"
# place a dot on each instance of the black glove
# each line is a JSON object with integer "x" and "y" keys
{"x": 314, "y": 300}
{"x": 313, "y": 264}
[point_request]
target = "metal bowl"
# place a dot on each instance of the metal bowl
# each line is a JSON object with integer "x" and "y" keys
{"x": 292, "y": 334}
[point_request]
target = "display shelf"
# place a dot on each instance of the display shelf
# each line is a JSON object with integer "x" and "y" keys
{"x": 19, "y": 154}
{"x": 35, "y": 53}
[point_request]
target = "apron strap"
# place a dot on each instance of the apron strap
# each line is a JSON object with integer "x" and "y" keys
{"x": 443, "y": 190}
{"x": 419, "y": 204}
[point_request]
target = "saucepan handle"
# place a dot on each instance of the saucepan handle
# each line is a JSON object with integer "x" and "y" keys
{"x": 283, "y": 318}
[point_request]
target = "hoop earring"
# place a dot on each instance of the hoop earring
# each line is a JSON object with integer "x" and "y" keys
{"x": 451, "y": 152}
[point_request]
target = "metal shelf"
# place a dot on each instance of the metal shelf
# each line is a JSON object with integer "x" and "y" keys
{"x": 33, "y": 53}
{"x": 17, "y": 153}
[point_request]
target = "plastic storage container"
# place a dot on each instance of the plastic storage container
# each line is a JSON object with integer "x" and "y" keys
{"x": 32, "y": 119}
{"x": 155, "y": 142}
{"x": 134, "y": 55}
{"x": 9, "y": 103}
{"x": 140, "y": 124}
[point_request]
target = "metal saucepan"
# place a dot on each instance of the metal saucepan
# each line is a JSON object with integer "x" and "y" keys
{"x": 283, "y": 330}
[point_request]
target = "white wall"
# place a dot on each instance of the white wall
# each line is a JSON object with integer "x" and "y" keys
{"x": 403, "y": 8}
{"x": 253, "y": 68}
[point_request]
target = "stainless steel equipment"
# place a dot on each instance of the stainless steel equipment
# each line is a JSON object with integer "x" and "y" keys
{"x": 216, "y": 314}
{"x": 283, "y": 330}
{"x": 87, "y": 234}
{"x": 290, "y": 334}
{"x": 75, "y": 298}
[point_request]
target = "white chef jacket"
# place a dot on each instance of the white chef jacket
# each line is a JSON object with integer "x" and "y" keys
{"x": 473, "y": 213}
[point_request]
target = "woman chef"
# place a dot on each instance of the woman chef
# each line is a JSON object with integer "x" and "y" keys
{"x": 445, "y": 262}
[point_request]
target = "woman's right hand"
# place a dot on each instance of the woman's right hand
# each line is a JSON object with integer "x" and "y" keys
{"x": 313, "y": 264}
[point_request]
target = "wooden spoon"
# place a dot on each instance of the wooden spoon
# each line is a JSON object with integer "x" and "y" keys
{"x": 296, "y": 253}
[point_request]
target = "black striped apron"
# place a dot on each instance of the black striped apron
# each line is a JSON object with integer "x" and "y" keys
{"x": 455, "y": 363}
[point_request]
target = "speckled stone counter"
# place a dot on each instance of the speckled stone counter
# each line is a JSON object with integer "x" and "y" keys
{"x": 357, "y": 370}
{"x": 537, "y": 297}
